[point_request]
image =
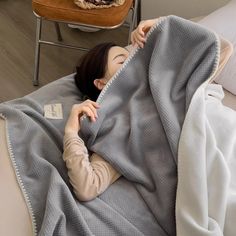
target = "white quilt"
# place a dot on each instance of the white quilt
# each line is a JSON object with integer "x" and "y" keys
{"x": 206, "y": 193}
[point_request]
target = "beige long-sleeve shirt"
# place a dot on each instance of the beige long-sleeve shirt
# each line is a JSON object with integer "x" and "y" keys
{"x": 89, "y": 176}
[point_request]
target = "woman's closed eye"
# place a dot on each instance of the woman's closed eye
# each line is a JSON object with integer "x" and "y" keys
{"x": 120, "y": 58}
{"x": 116, "y": 58}
{"x": 121, "y": 62}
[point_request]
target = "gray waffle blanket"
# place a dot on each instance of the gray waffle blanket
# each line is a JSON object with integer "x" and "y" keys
{"x": 140, "y": 119}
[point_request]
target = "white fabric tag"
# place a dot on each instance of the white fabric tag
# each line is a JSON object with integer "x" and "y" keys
{"x": 53, "y": 111}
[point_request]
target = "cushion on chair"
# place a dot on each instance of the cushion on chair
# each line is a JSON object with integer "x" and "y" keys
{"x": 66, "y": 10}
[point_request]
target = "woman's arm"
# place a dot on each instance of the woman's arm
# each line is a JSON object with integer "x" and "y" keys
{"x": 89, "y": 178}
{"x": 138, "y": 36}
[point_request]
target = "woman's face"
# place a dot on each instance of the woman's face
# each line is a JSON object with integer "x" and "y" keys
{"x": 116, "y": 57}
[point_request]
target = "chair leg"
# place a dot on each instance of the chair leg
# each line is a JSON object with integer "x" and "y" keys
{"x": 134, "y": 20}
{"x": 37, "y": 51}
{"x": 131, "y": 27}
{"x": 139, "y": 12}
{"x": 59, "y": 37}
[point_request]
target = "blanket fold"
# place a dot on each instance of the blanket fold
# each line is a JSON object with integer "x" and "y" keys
{"x": 206, "y": 203}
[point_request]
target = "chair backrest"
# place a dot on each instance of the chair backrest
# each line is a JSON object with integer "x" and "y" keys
{"x": 68, "y": 11}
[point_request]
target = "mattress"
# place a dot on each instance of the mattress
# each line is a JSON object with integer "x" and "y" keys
{"x": 13, "y": 209}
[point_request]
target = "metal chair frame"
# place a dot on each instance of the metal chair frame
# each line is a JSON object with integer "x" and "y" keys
{"x": 136, "y": 17}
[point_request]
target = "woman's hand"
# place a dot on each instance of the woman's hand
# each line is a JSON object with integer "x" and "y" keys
{"x": 87, "y": 107}
{"x": 138, "y": 36}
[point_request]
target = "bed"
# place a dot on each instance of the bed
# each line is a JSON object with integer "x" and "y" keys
{"x": 15, "y": 207}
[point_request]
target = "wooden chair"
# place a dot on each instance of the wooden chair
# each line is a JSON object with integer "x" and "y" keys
{"x": 67, "y": 12}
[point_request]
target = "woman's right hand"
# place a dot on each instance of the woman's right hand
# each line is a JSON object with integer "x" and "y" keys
{"x": 87, "y": 107}
{"x": 138, "y": 36}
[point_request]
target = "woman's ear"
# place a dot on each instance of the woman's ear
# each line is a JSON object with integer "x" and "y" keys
{"x": 99, "y": 83}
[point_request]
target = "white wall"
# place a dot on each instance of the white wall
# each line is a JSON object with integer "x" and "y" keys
{"x": 183, "y": 8}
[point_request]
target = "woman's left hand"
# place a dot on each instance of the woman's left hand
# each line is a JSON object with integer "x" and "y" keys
{"x": 87, "y": 107}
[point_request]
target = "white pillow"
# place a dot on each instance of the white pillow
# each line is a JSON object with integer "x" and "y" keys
{"x": 223, "y": 22}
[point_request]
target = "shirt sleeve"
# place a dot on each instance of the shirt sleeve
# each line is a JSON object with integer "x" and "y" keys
{"x": 88, "y": 178}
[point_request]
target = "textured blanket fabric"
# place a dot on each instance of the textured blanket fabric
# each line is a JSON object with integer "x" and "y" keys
{"x": 138, "y": 129}
{"x": 206, "y": 202}
{"x": 143, "y": 109}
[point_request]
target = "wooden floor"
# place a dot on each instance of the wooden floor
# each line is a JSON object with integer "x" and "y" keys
{"x": 17, "y": 42}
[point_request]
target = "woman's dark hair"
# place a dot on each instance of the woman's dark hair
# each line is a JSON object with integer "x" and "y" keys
{"x": 92, "y": 66}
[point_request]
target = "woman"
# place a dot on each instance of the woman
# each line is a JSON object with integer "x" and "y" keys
{"x": 90, "y": 176}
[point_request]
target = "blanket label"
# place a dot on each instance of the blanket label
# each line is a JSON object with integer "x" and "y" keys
{"x": 53, "y": 111}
